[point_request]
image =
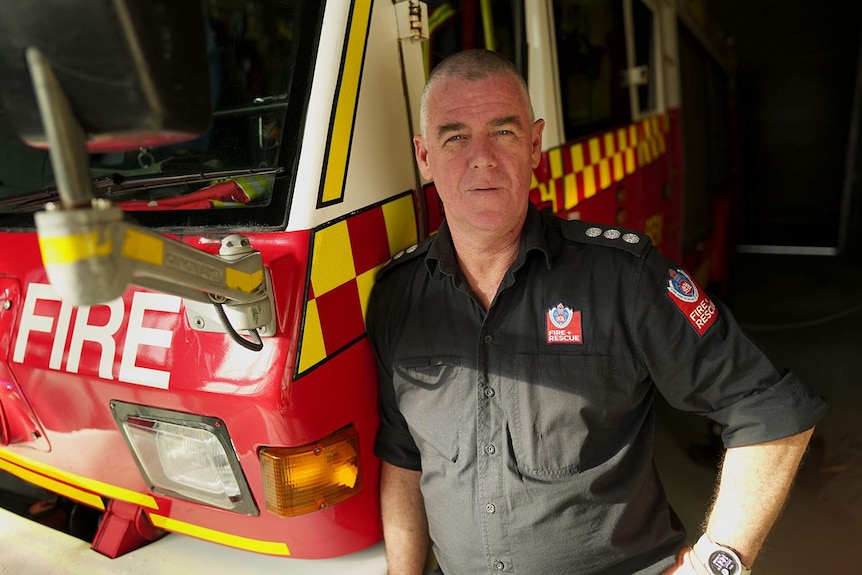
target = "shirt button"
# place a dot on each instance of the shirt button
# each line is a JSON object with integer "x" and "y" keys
{"x": 490, "y": 449}
{"x": 499, "y": 566}
{"x": 490, "y": 508}
{"x": 489, "y": 338}
{"x": 489, "y": 392}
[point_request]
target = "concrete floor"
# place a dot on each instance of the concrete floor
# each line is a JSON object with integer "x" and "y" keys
{"x": 806, "y": 313}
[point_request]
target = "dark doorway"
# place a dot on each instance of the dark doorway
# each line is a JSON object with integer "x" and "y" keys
{"x": 797, "y": 66}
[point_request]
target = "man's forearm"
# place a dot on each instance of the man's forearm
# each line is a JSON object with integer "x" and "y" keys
{"x": 405, "y": 527}
{"x": 754, "y": 483}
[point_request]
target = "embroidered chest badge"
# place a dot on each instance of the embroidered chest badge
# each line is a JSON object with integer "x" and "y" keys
{"x": 564, "y": 325}
{"x": 692, "y": 301}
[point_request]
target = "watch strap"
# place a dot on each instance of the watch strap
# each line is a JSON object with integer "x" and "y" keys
{"x": 715, "y": 558}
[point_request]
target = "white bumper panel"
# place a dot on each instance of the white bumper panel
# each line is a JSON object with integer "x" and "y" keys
{"x": 26, "y": 547}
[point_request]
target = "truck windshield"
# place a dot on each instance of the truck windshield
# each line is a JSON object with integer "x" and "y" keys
{"x": 237, "y": 174}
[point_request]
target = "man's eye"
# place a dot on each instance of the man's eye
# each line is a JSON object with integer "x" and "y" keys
{"x": 455, "y": 138}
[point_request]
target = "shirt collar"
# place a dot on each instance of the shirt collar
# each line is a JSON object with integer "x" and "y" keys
{"x": 441, "y": 253}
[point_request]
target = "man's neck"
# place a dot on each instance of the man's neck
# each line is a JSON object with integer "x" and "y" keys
{"x": 484, "y": 261}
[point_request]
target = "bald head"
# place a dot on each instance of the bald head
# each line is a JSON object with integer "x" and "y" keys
{"x": 472, "y": 65}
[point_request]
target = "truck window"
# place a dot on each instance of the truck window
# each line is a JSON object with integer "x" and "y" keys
{"x": 235, "y": 175}
{"x": 591, "y": 58}
{"x": 456, "y": 25}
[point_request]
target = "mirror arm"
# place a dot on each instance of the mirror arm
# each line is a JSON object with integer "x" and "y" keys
{"x": 91, "y": 254}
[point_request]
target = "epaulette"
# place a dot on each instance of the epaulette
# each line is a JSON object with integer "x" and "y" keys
{"x": 603, "y": 235}
{"x": 405, "y": 255}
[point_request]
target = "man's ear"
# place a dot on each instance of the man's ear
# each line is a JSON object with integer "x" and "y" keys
{"x": 536, "y": 137}
{"x": 421, "y": 153}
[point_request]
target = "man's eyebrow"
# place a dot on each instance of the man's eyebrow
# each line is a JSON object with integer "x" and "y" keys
{"x": 506, "y": 120}
{"x": 444, "y": 129}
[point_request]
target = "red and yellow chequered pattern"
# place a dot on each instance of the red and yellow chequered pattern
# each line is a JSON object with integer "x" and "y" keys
{"x": 345, "y": 257}
{"x": 583, "y": 169}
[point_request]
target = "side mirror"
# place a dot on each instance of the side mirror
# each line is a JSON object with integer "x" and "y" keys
{"x": 80, "y": 76}
{"x": 134, "y": 71}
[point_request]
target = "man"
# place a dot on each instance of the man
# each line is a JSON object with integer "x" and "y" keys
{"x": 519, "y": 356}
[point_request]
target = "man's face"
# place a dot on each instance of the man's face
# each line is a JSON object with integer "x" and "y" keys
{"x": 480, "y": 149}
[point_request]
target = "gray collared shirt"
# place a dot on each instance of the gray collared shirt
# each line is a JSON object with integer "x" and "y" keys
{"x": 533, "y": 423}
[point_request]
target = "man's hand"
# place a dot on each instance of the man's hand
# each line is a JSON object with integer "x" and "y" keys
{"x": 686, "y": 564}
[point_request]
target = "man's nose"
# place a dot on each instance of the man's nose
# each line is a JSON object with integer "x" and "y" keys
{"x": 482, "y": 154}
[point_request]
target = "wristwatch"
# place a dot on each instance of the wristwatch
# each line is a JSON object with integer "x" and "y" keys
{"x": 717, "y": 559}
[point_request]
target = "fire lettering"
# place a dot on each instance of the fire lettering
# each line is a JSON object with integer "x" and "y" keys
{"x": 104, "y": 336}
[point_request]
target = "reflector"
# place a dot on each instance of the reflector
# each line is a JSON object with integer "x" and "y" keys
{"x": 300, "y": 480}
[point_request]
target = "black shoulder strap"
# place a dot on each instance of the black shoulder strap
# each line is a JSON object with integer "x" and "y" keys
{"x": 609, "y": 236}
{"x": 406, "y": 255}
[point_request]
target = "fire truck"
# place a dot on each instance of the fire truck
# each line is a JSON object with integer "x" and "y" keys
{"x": 195, "y": 198}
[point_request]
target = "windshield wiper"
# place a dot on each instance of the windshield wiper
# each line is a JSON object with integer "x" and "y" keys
{"x": 114, "y": 186}
{"x": 117, "y": 188}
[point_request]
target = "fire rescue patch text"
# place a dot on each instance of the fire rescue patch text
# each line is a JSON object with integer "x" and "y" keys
{"x": 691, "y": 300}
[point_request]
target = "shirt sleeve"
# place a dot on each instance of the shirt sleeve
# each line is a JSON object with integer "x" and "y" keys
{"x": 393, "y": 443}
{"x": 701, "y": 360}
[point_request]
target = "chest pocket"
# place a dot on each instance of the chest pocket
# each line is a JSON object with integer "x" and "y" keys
{"x": 432, "y": 394}
{"x": 563, "y": 410}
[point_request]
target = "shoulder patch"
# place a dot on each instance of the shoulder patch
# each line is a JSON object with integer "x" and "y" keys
{"x": 691, "y": 300}
{"x": 405, "y": 255}
{"x": 603, "y": 235}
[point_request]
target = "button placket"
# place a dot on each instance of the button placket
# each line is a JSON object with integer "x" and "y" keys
{"x": 491, "y": 442}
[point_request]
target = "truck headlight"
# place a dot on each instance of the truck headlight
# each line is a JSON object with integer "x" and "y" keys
{"x": 186, "y": 456}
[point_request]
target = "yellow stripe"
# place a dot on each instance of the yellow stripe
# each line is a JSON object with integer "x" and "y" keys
{"x": 594, "y": 151}
{"x": 577, "y": 157}
{"x": 239, "y": 280}
{"x": 143, "y": 247}
{"x": 570, "y": 187}
{"x": 604, "y": 174}
{"x": 618, "y": 167}
{"x": 105, "y": 489}
{"x": 84, "y": 497}
{"x": 555, "y": 158}
{"x": 177, "y": 526}
{"x": 546, "y": 195}
{"x": 589, "y": 183}
{"x": 622, "y": 139}
{"x": 74, "y": 247}
{"x": 332, "y": 258}
{"x": 364, "y": 283}
{"x": 348, "y": 95}
{"x": 610, "y": 150}
{"x": 255, "y": 185}
{"x": 400, "y": 219}
{"x": 630, "y": 161}
{"x": 313, "y": 349}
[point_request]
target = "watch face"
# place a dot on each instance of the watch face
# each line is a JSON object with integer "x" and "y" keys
{"x": 722, "y": 563}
